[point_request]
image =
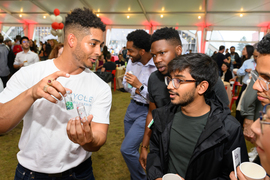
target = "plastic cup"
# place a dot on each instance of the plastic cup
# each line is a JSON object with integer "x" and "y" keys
{"x": 171, "y": 176}
{"x": 252, "y": 171}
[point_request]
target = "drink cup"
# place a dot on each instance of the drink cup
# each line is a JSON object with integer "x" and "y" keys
{"x": 171, "y": 176}
{"x": 128, "y": 85}
{"x": 252, "y": 171}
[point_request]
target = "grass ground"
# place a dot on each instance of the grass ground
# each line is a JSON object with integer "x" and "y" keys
{"x": 108, "y": 162}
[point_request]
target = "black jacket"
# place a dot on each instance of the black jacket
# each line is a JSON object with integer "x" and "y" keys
{"x": 212, "y": 156}
{"x": 237, "y": 60}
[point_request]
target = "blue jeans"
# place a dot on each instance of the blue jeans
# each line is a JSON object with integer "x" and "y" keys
{"x": 86, "y": 173}
{"x": 134, "y": 123}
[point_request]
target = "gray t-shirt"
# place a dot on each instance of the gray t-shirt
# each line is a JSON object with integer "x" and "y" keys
{"x": 184, "y": 135}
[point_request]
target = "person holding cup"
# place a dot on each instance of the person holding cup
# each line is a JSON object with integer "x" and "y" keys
{"x": 260, "y": 127}
{"x": 193, "y": 136}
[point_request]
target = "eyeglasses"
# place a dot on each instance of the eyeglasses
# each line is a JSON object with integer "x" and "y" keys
{"x": 263, "y": 83}
{"x": 25, "y": 41}
{"x": 176, "y": 82}
{"x": 264, "y": 116}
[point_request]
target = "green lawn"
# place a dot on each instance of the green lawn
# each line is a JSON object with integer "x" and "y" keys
{"x": 108, "y": 162}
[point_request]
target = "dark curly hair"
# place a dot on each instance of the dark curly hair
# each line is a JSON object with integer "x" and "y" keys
{"x": 140, "y": 39}
{"x": 201, "y": 68}
{"x": 83, "y": 19}
{"x": 264, "y": 45}
{"x": 168, "y": 34}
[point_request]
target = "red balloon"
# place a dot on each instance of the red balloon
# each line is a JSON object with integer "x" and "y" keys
{"x": 55, "y": 25}
{"x": 56, "y": 12}
{"x": 60, "y": 26}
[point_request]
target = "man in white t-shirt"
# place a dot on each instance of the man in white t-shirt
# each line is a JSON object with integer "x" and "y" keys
{"x": 26, "y": 57}
{"x": 55, "y": 142}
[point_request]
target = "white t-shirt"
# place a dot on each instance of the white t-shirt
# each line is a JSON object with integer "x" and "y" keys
{"x": 44, "y": 144}
{"x": 26, "y": 58}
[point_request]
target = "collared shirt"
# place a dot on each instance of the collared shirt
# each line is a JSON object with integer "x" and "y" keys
{"x": 26, "y": 58}
{"x": 142, "y": 72}
{"x": 248, "y": 64}
{"x": 4, "y": 70}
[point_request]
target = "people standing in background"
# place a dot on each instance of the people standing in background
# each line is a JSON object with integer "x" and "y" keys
{"x": 105, "y": 52}
{"x": 26, "y": 57}
{"x": 124, "y": 52}
{"x": 53, "y": 43}
{"x": 4, "y": 70}
{"x": 11, "y": 57}
{"x": 109, "y": 65}
{"x": 121, "y": 60}
{"x": 245, "y": 72}
{"x": 220, "y": 58}
{"x": 247, "y": 53}
{"x": 100, "y": 62}
{"x": 33, "y": 46}
{"x": 43, "y": 53}
{"x": 57, "y": 51}
{"x": 226, "y": 73}
{"x": 16, "y": 48}
{"x": 235, "y": 59}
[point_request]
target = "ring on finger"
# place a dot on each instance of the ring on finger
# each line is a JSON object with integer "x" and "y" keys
{"x": 45, "y": 88}
{"x": 50, "y": 82}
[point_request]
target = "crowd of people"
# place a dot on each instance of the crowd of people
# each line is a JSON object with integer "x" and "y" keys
{"x": 24, "y": 52}
{"x": 178, "y": 116}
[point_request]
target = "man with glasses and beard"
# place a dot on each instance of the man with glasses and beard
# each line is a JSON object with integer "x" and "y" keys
{"x": 165, "y": 46}
{"x": 193, "y": 136}
{"x": 260, "y": 127}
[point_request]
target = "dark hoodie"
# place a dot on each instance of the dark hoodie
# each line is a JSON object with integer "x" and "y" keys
{"x": 212, "y": 156}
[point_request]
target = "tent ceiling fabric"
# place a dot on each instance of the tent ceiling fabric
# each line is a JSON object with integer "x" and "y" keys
{"x": 181, "y": 13}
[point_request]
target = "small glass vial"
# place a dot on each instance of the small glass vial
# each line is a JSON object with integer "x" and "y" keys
{"x": 68, "y": 101}
{"x": 81, "y": 111}
{"x": 128, "y": 85}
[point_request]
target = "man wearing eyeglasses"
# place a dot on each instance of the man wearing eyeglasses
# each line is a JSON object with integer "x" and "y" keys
{"x": 193, "y": 136}
{"x": 260, "y": 127}
{"x": 165, "y": 46}
{"x": 26, "y": 57}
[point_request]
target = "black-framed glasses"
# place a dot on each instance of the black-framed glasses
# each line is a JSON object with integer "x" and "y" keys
{"x": 176, "y": 82}
{"x": 263, "y": 83}
{"x": 264, "y": 117}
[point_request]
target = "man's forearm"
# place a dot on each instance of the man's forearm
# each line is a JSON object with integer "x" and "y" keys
{"x": 12, "y": 112}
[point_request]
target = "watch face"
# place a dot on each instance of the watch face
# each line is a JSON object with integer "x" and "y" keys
{"x": 141, "y": 88}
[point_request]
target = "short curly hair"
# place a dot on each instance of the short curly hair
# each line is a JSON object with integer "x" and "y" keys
{"x": 264, "y": 45}
{"x": 82, "y": 20}
{"x": 140, "y": 39}
{"x": 169, "y": 34}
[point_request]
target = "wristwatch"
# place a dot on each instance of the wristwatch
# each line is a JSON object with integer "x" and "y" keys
{"x": 141, "y": 88}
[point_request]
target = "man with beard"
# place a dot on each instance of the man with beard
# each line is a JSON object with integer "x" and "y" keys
{"x": 141, "y": 64}
{"x": 235, "y": 59}
{"x": 260, "y": 127}
{"x": 55, "y": 143}
{"x": 165, "y": 46}
{"x": 25, "y": 57}
{"x": 193, "y": 136}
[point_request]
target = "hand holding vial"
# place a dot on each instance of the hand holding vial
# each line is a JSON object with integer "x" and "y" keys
{"x": 79, "y": 129}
